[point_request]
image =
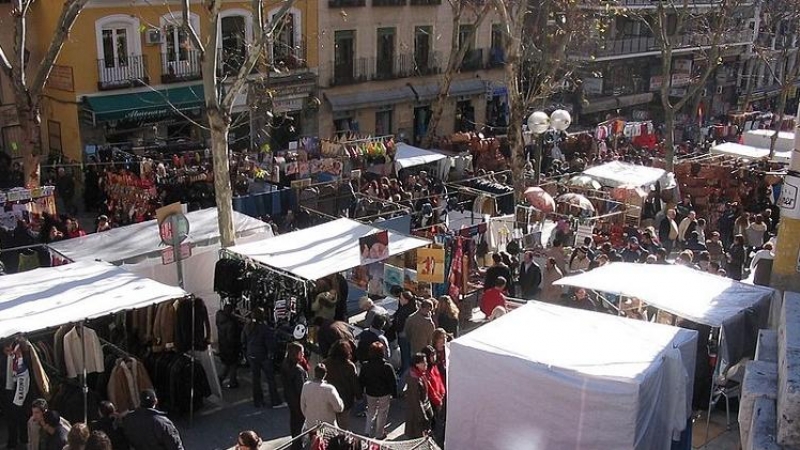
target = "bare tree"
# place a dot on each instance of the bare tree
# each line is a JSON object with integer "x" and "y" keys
{"x": 680, "y": 25}
{"x": 28, "y": 89}
{"x": 776, "y": 48}
{"x": 537, "y": 34}
{"x": 478, "y": 10}
{"x": 221, "y": 92}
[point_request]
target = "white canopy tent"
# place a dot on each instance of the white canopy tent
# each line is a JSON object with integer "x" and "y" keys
{"x": 53, "y": 296}
{"x": 547, "y": 377}
{"x": 616, "y": 174}
{"x": 326, "y": 249}
{"x": 746, "y": 151}
{"x": 763, "y": 138}
{"x": 409, "y": 156}
{"x": 134, "y": 243}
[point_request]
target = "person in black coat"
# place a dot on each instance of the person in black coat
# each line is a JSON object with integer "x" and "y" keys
{"x": 260, "y": 341}
{"x": 294, "y": 373}
{"x": 530, "y": 277}
{"x": 379, "y": 381}
{"x": 148, "y": 428}
{"x": 229, "y": 332}
{"x": 497, "y": 270}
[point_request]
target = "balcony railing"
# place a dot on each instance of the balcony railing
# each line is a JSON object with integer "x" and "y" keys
{"x": 425, "y": 2}
{"x": 420, "y": 65}
{"x": 343, "y": 3}
{"x": 122, "y": 72}
{"x": 654, "y": 3}
{"x": 350, "y": 71}
{"x": 184, "y": 66}
{"x": 473, "y": 60}
{"x": 634, "y": 45}
{"x": 289, "y": 57}
{"x": 388, "y": 2}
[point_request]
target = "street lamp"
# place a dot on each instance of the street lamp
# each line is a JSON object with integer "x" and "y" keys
{"x": 539, "y": 123}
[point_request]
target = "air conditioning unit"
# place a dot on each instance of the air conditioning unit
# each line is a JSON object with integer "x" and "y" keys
{"x": 153, "y": 36}
{"x": 719, "y": 89}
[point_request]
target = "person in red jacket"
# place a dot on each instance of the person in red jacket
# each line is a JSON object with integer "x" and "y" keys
{"x": 494, "y": 297}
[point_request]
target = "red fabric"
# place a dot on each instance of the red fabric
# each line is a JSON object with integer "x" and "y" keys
{"x": 303, "y": 363}
{"x": 436, "y": 389}
{"x": 318, "y": 443}
{"x": 492, "y": 298}
{"x": 76, "y": 233}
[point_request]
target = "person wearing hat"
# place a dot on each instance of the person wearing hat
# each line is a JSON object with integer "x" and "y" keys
{"x": 103, "y": 224}
{"x": 366, "y": 304}
{"x": 580, "y": 260}
{"x": 716, "y": 249}
{"x": 55, "y": 432}
{"x": 634, "y": 253}
{"x": 147, "y": 428}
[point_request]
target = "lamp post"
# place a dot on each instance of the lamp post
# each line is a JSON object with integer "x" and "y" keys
{"x": 539, "y": 123}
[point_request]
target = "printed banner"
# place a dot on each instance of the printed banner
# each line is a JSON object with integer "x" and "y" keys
{"x": 392, "y": 276}
{"x": 374, "y": 247}
{"x": 430, "y": 265}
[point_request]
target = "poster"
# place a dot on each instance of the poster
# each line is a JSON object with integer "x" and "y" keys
{"x": 374, "y": 247}
{"x": 430, "y": 265}
{"x": 392, "y": 276}
{"x": 410, "y": 280}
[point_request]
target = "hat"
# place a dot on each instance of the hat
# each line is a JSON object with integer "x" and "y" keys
{"x": 147, "y": 398}
{"x": 102, "y": 218}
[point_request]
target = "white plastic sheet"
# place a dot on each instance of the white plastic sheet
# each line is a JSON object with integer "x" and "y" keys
{"x": 53, "y": 296}
{"x": 546, "y": 377}
{"x": 746, "y": 151}
{"x": 698, "y": 296}
{"x": 410, "y": 156}
{"x": 139, "y": 241}
{"x": 616, "y": 174}
{"x": 316, "y": 252}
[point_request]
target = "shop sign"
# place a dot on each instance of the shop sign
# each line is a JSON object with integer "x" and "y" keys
{"x": 168, "y": 254}
{"x": 174, "y": 229}
{"x": 374, "y": 247}
{"x": 140, "y": 115}
{"x": 789, "y": 197}
{"x": 61, "y": 78}
{"x": 283, "y": 104}
{"x": 593, "y": 85}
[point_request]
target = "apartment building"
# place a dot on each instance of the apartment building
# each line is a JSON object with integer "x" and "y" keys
{"x": 773, "y": 62}
{"x": 130, "y": 77}
{"x": 381, "y": 62}
{"x": 621, "y": 71}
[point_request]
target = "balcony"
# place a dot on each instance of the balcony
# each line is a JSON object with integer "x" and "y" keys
{"x": 497, "y": 57}
{"x": 639, "y": 4}
{"x": 289, "y": 58}
{"x": 346, "y": 3}
{"x": 425, "y": 2}
{"x": 388, "y": 2}
{"x": 350, "y": 71}
{"x": 423, "y": 64}
{"x": 122, "y": 72}
{"x": 639, "y": 45}
{"x": 185, "y": 66}
{"x": 473, "y": 60}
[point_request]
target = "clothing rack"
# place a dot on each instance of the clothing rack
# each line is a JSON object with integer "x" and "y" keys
{"x": 227, "y": 254}
{"x": 114, "y": 349}
{"x": 360, "y": 140}
{"x": 322, "y": 428}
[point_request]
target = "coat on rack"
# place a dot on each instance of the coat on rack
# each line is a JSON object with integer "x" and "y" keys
{"x": 164, "y": 327}
{"x": 74, "y": 355}
{"x": 128, "y": 378}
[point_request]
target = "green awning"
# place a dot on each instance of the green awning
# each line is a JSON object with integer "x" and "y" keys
{"x": 144, "y": 106}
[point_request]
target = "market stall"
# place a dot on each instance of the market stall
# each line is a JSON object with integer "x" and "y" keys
{"x": 284, "y": 276}
{"x": 627, "y": 386}
{"x": 409, "y": 156}
{"x": 616, "y": 174}
{"x": 763, "y": 139}
{"x": 751, "y": 152}
{"x": 80, "y": 323}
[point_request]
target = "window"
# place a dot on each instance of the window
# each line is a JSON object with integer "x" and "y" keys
{"x": 235, "y": 32}
{"x": 12, "y": 136}
{"x": 287, "y": 47}
{"x": 179, "y": 59}
{"x": 464, "y": 38}
{"x": 497, "y": 52}
{"x": 423, "y": 61}
{"x": 383, "y": 122}
{"x": 465, "y": 116}
{"x": 384, "y": 62}
{"x": 119, "y": 49}
{"x": 54, "y": 136}
{"x": 344, "y": 56}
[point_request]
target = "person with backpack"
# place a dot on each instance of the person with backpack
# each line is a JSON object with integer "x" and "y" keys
{"x": 374, "y": 333}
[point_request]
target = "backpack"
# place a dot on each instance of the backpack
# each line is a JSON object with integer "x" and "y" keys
{"x": 365, "y": 339}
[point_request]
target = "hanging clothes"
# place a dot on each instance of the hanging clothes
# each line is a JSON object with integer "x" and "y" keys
{"x": 127, "y": 380}
{"x": 77, "y": 348}
{"x": 184, "y": 340}
{"x": 164, "y": 326}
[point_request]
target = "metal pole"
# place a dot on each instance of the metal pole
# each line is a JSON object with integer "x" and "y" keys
{"x": 713, "y": 386}
{"x": 191, "y": 353}
{"x": 84, "y": 385}
{"x": 786, "y": 268}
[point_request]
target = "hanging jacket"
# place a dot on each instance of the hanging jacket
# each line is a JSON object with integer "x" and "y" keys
{"x": 184, "y": 341}
{"x": 164, "y": 327}
{"x": 229, "y": 337}
{"x": 128, "y": 378}
{"x": 77, "y": 348}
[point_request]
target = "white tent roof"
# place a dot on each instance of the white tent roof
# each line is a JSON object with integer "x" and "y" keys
{"x": 53, "y": 296}
{"x": 746, "y": 151}
{"x": 141, "y": 239}
{"x": 615, "y": 174}
{"x": 316, "y": 252}
{"x": 410, "y": 156}
{"x": 580, "y": 380}
{"x": 698, "y": 296}
{"x": 762, "y": 139}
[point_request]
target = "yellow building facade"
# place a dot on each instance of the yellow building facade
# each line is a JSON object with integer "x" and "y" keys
{"x": 129, "y": 76}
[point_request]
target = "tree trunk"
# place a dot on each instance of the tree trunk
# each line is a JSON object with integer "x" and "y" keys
{"x": 438, "y": 110}
{"x": 31, "y": 145}
{"x": 516, "y": 108}
{"x": 219, "y": 126}
{"x": 669, "y": 138}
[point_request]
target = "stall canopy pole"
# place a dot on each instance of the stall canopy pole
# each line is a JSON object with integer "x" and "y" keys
{"x": 714, "y": 376}
{"x": 84, "y": 385}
